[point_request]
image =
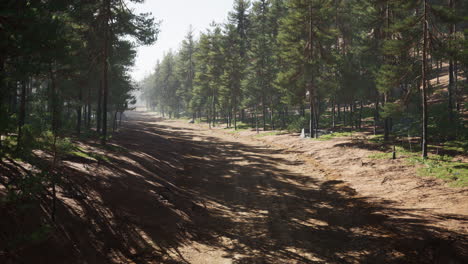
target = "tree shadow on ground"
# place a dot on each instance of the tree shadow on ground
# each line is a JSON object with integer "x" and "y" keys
{"x": 170, "y": 190}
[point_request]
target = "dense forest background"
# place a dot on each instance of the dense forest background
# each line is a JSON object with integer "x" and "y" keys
{"x": 64, "y": 67}
{"x": 324, "y": 64}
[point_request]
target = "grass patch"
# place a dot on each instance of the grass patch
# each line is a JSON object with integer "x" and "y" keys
{"x": 376, "y": 138}
{"x": 81, "y": 154}
{"x": 237, "y": 131}
{"x": 272, "y": 133}
{"x": 89, "y": 155}
{"x": 115, "y": 148}
{"x": 99, "y": 157}
{"x": 243, "y": 126}
{"x": 454, "y": 172}
{"x": 333, "y": 135}
{"x": 443, "y": 167}
{"x": 400, "y": 152}
{"x": 455, "y": 145}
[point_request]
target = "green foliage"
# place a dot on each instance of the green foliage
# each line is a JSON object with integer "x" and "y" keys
{"x": 392, "y": 110}
{"x": 442, "y": 128}
{"x": 296, "y": 124}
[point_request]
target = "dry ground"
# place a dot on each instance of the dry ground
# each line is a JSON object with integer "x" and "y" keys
{"x": 181, "y": 193}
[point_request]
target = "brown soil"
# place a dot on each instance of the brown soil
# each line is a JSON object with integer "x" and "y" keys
{"x": 182, "y": 193}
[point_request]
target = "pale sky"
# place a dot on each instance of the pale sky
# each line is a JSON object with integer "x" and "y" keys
{"x": 176, "y": 17}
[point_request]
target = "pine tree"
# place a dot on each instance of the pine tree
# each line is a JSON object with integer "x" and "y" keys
{"x": 186, "y": 70}
{"x": 304, "y": 39}
{"x": 231, "y": 78}
{"x": 261, "y": 70}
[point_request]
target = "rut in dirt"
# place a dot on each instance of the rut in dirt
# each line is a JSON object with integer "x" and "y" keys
{"x": 182, "y": 194}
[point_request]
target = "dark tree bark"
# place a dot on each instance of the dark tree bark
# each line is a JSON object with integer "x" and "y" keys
{"x": 105, "y": 70}
{"x": 264, "y": 113}
{"x": 376, "y": 114}
{"x": 344, "y": 115}
{"x": 338, "y": 106}
{"x": 55, "y": 107}
{"x": 333, "y": 113}
{"x": 424, "y": 83}
{"x": 114, "y": 121}
{"x": 99, "y": 109}
{"x": 88, "y": 118}
{"x": 311, "y": 114}
{"x": 272, "y": 112}
{"x": 21, "y": 116}
{"x": 235, "y": 114}
{"x": 79, "y": 112}
{"x": 360, "y": 115}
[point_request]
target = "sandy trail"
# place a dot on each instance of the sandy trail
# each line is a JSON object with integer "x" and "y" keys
{"x": 181, "y": 193}
{"x": 261, "y": 204}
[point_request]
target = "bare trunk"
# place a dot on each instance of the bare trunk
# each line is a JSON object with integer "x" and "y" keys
{"x": 89, "y": 113}
{"x": 79, "y": 109}
{"x": 360, "y": 115}
{"x": 272, "y": 115}
{"x": 99, "y": 109}
{"x": 21, "y": 117}
{"x": 264, "y": 113}
{"x": 424, "y": 84}
{"x": 105, "y": 71}
{"x": 114, "y": 122}
{"x": 311, "y": 114}
{"x": 256, "y": 119}
{"x": 376, "y": 114}
{"x": 452, "y": 72}
{"x": 333, "y": 113}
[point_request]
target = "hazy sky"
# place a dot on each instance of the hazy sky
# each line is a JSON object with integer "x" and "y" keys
{"x": 176, "y": 17}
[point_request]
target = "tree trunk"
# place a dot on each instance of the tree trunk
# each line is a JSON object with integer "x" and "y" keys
{"x": 235, "y": 114}
{"x": 105, "y": 70}
{"x": 333, "y": 113}
{"x": 256, "y": 119}
{"x": 79, "y": 111}
{"x": 54, "y": 110}
{"x": 386, "y": 121}
{"x": 360, "y": 115}
{"x": 339, "y": 112}
{"x": 264, "y": 113}
{"x": 344, "y": 115}
{"x": 424, "y": 84}
{"x": 272, "y": 115}
{"x": 316, "y": 109}
{"x": 114, "y": 122}
{"x": 376, "y": 113}
{"x": 311, "y": 115}
{"x": 78, "y": 119}
{"x": 21, "y": 117}
{"x": 283, "y": 118}
{"x": 450, "y": 90}
{"x": 88, "y": 117}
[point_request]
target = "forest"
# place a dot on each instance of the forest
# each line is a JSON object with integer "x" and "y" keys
{"x": 293, "y": 131}
{"x": 324, "y": 65}
{"x": 65, "y": 67}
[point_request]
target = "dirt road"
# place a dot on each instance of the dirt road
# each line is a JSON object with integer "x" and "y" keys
{"x": 181, "y": 193}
